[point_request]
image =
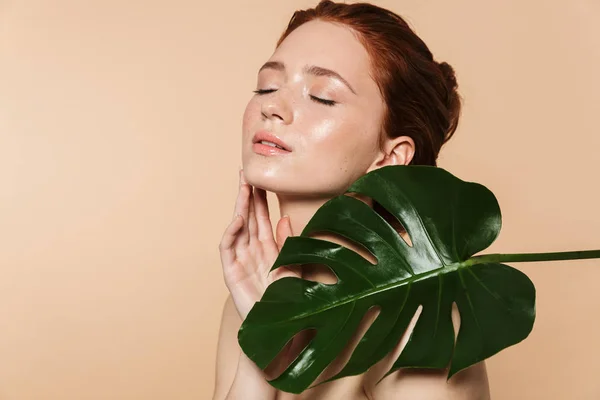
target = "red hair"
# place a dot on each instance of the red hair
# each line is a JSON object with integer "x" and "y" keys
{"x": 420, "y": 94}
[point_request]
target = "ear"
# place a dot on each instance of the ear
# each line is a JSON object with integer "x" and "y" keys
{"x": 396, "y": 151}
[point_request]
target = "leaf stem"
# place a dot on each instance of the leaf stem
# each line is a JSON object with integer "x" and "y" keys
{"x": 528, "y": 257}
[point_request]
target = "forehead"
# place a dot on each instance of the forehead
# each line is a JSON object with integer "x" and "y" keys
{"x": 328, "y": 45}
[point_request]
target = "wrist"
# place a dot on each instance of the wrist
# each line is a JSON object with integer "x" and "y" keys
{"x": 250, "y": 382}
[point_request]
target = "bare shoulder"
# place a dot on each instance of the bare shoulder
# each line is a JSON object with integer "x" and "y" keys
{"x": 228, "y": 350}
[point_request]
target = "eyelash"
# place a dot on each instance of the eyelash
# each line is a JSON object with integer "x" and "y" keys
{"x": 317, "y": 99}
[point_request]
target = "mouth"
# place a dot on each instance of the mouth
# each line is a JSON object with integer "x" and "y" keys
{"x": 264, "y": 138}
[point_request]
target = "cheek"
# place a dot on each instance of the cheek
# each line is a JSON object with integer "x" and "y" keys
{"x": 346, "y": 138}
{"x": 251, "y": 116}
{"x": 326, "y": 131}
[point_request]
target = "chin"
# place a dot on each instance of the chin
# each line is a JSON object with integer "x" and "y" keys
{"x": 264, "y": 178}
{"x": 284, "y": 185}
{"x": 275, "y": 181}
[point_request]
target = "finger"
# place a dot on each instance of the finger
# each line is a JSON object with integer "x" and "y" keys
{"x": 252, "y": 224}
{"x": 237, "y": 206}
{"x": 242, "y": 206}
{"x": 226, "y": 248}
{"x": 261, "y": 208}
{"x": 283, "y": 230}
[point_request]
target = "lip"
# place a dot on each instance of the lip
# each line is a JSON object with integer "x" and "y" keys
{"x": 267, "y": 150}
{"x": 268, "y": 136}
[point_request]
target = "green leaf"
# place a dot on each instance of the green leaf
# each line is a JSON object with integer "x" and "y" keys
{"x": 448, "y": 221}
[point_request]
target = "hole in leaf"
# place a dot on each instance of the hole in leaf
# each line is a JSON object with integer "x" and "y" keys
{"x": 319, "y": 273}
{"x": 362, "y": 197}
{"x": 455, "y": 319}
{"x": 342, "y": 359}
{"x": 393, "y": 221}
{"x": 289, "y": 353}
{"x": 344, "y": 241}
{"x": 385, "y": 214}
{"x": 381, "y": 367}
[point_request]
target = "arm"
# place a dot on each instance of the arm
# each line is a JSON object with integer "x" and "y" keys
{"x": 250, "y": 383}
{"x": 237, "y": 377}
{"x": 248, "y": 249}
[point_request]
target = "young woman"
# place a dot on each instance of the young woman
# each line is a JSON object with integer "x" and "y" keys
{"x": 349, "y": 88}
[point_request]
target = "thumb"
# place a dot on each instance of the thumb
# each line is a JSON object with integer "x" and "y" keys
{"x": 283, "y": 230}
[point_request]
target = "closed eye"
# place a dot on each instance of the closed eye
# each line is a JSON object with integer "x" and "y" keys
{"x": 263, "y": 91}
{"x": 323, "y": 101}
{"x": 317, "y": 99}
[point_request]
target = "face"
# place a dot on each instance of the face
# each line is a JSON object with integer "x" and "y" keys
{"x": 317, "y": 96}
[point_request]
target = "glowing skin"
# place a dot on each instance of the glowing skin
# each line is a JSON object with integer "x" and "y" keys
{"x": 333, "y": 145}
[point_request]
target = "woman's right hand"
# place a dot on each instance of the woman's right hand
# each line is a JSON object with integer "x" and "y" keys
{"x": 248, "y": 248}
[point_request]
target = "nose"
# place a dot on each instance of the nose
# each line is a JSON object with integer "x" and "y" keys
{"x": 277, "y": 105}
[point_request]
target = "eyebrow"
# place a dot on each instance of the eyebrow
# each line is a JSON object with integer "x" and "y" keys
{"x": 309, "y": 69}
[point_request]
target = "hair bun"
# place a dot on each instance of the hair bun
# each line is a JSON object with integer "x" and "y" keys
{"x": 452, "y": 99}
{"x": 449, "y": 75}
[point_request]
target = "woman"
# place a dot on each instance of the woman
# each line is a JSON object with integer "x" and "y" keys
{"x": 349, "y": 88}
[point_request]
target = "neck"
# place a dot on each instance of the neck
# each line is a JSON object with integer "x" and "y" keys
{"x": 301, "y": 209}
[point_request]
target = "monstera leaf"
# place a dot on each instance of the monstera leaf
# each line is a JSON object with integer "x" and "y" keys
{"x": 448, "y": 221}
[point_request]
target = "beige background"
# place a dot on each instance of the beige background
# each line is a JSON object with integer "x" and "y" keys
{"x": 119, "y": 147}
